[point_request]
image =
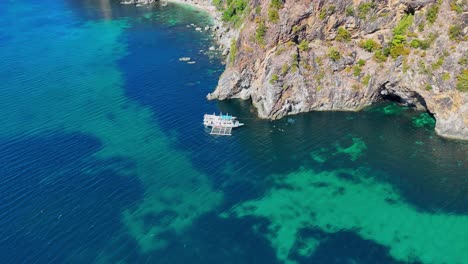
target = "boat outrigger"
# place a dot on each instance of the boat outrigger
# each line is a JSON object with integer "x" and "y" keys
{"x": 221, "y": 124}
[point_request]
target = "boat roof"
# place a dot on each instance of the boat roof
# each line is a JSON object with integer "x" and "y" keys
{"x": 225, "y": 117}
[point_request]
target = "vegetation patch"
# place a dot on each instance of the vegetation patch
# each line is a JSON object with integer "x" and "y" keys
{"x": 334, "y": 54}
{"x": 233, "y": 10}
{"x": 402, "y": 27}
{"x": 446, "y": 76}
{"x": 432, "y": 12}
{"x": 399, "y": 50}
{"x": 357, "y": 70}
{"x": 463, "y": 61}
{"x": 294, "y": 67}
{"x": 361, "y": 62}
{"x": 343, "y": 35}
{"x": 456, "y": 7}
{"x": 349, "y": 11}
{"x": 297, "y": 28}
{"x": 398, "y": 39}
{"x": 369, "y": 44}
{"x": 304, "y": 45}
{"x": 366, "y": 80}
{"x": 258, "y": 10}
{"x": 273, "y": 15}
{"x": 423, "y": 69}
{"x": 218, "y": 4}
{"x": 420, "y": 44}
{"x": 381, "y": 55}
{"x": 436, "y": 65}
{"x": 327, "y": 11}
{"x": 295, "y": 63}
{"x": 260, "y": 32}
{"x": 364, "y": 8}
{"x": 319, "y": 76}
{"x": 462, "y": 81}
{"x": 455, "y": 32}
{"x": 274, "y": 78}
{"x": 279, "y": 51}
{"x": 277, "y": 4}
{"x": 398, "y": 44}
{"x": 421, "y": 26}
{"x": 233, "y": 51}
{"x": 432, "y": 38}
{"x": 295, "y": 57}
{"x": 284, "y": 69}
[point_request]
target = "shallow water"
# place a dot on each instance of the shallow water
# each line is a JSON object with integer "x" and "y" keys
{"x": 103, "y": 158}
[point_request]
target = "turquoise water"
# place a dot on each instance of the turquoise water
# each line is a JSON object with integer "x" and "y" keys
{"x": 104, "y": 159}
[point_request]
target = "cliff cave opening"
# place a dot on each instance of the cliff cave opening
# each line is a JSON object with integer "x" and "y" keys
{"x": 391, "y": 97}
{"x": 409, "y": 99}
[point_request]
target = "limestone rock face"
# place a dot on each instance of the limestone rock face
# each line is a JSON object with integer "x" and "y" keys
{"x": 313, "y": 58}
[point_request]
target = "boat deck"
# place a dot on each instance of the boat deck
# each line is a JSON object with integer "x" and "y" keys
{"x": 222, "y": 131}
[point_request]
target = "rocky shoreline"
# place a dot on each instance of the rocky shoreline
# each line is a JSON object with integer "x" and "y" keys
{"x": 336, "y": 55}
{"x": 292, "y": 68}
{"x": 223, "y": 34}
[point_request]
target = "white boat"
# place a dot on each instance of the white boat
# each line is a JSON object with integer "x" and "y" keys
{"x": 221, "y": 124}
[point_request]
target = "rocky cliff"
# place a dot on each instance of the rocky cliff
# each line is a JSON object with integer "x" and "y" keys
{"x": 296, "y": 56}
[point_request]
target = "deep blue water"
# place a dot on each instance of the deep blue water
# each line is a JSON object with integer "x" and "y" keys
{"x": 103, "y": 158}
